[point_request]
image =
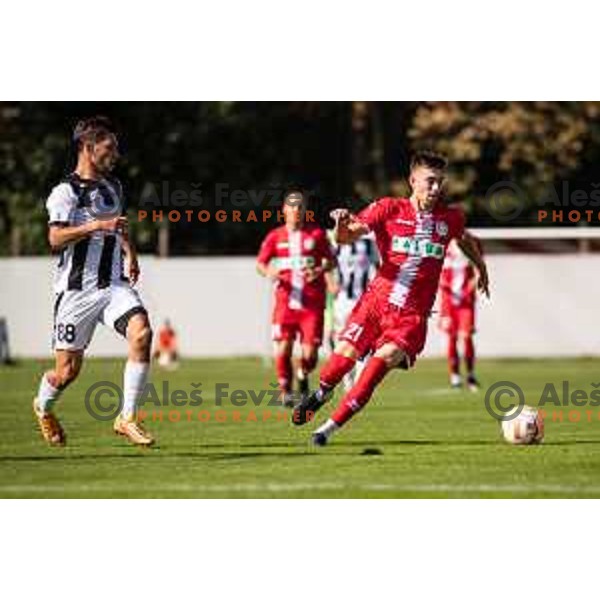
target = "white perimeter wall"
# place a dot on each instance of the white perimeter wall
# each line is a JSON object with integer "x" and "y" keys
{"x": 541, "y": 306}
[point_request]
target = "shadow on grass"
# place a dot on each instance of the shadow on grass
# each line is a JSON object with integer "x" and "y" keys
{"x": 294, "y": 450}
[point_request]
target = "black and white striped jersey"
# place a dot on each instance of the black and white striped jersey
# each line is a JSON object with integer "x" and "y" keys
{"x": 95, "y": 261}
{"x": 356, "y": 266}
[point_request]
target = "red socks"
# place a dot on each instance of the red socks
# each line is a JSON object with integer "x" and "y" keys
{"x": 453, "y": 361}
{"x": 283, "y": 367}
{"x": 335, "y": 369}
{"x": 373, "y": 373}
{"x": 469, "y": 354}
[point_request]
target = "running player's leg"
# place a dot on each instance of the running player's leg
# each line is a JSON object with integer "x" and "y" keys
{"x": 448, "y": 324}
{"x": 453, "y": 360}
{"x": 76, "y": 314}
{"x": 311, "y": 335}
{"x": 402, "y": 340}
{"x": 126, "y": 315}
{"x": 376, "y": 368}
{"x": 284, "y": 332}
{"x": 53, "y": 383}
{"x": 355, "y": 341}
{"x": 283, "y": 368}
{"x": 343, "y": 309}
{"x": 137, "y": 368}
{"x": 466, "y": 330}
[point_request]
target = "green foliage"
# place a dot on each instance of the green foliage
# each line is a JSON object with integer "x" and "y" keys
{"x": 342, "y": 151}
{"x": 533, "y": 144}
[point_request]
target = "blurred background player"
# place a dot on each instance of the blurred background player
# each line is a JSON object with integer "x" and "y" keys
{"x": 356, "y": 265}
{"x": 296, "y": 256}
{"x": 458, "y": 284}
{"x": 90, "y": 285}
{"x": 390, "y": 320}
{"x": 166, "y": 350}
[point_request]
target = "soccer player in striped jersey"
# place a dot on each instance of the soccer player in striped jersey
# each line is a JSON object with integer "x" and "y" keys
{"x": 356, "y": 266}
{"x": 297, "y": 256}
{"x": 458, "y": 285}
{"x": 390, "y": 320}
{"x": 88, "y": 230}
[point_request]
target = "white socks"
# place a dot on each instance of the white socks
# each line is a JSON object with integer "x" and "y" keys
{"x": 134, "y": 381}
{"x": 47, "y": 395}
{"x": 328, "y": 428}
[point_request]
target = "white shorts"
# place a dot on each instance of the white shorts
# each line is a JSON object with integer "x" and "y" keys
{"x": 77, "y": 312}
{"x": 342, "y": 308}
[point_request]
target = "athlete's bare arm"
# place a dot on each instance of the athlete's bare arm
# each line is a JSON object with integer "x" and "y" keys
{"x": 59, "y": 236}
{"x": 267, "y": 270}
{"x": 133, "y": 265}
{"x": 347, "y": 228}
{"x": 332, "y": 283}
{"x": 469, "y": 245}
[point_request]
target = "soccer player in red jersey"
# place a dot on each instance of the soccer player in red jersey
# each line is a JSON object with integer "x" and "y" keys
{"x": 390, "y": 319}
{"x": 297, "y": 256}
{"x": 458, "y": 285}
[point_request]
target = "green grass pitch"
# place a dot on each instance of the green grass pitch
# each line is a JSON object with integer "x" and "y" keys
{"x": 416, "y": 438}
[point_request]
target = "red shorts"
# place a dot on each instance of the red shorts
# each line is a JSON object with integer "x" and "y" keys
{"x": 458, "y": 319}
{"x": 289, "y": 322}
{"x": 374, "y": 322}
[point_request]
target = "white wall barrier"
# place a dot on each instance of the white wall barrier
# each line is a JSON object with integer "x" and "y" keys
{"x": 541, "y": 305}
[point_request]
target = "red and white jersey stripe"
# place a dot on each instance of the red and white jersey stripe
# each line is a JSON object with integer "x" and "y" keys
{"x": 412, "y": 246}
{"x": 293, "y": 252}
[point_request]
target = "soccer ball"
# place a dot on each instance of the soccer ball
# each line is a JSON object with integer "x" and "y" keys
{"x": 525, "y": 428}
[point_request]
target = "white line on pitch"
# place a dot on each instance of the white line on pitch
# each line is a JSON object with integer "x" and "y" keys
{"x": 298, "y": 487}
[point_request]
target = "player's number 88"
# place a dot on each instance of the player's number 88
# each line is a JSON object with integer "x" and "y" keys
{"x": 66, "y": 333}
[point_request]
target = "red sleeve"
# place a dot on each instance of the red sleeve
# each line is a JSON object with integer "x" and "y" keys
{"x": 375, "y": 214}
{"x": 457, "y": 223}
{"x": 267, "y": 250}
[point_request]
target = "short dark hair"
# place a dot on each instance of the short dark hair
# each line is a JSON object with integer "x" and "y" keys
{"x": 92, "y": 129}
{"x": 428, "y": 158}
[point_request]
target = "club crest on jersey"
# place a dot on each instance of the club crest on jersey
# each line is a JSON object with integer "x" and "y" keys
{"x": 309, "y": 244}
{"x": 441, "y": 228}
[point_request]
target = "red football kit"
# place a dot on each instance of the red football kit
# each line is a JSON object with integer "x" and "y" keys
{"x": 299, "y": 304}
{"x": 397, "y": 304}
{"x": 457, "y": 293}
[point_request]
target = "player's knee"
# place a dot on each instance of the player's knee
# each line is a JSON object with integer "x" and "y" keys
{"x": 143, "y": 337}
{"x": 346, "y": 349}
{"x": 65, "y": 374}
{"x": 283, "y": 349}
{"x": 392, "y": 355}
{"x": 140, "y": 334}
